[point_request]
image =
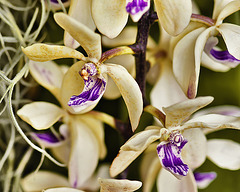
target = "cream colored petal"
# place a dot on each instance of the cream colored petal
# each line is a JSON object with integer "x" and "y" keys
{"x": 213, "y": 122}
{"x": 229, "y": 9}
{"x": 195, "y": 151}
{"x": 132, "y": 149}
{"x": 174, "y": 15}
{"x": 84, "y": 153}
{"x": 89, "y": 40}
{"x": 48, "y": 74}
{"x": 169, "y": 183}
{"x": 63, "y": 189}
{"x": 178, "y": 112}
{"x": 72, "y": 84}
{"x": 166, "y": 91}
{"x": 40, "y": 115}
{"x": 42, "y": 180}
{"x": 129, "y": 89}
{"x": 224, "y": 153}
{"x": 110, "y": 16}
{"x": 218, "y": 7}
{"x": 97, "y": 128}
{"x": 127, "y": 61}
{"x": 43, "y": 52}
{"x": 126, "y": 37}
{"x": 150, "y": 167}
{"x": 81, "y": 11}
{"x": 184, "y": 67}
{"x": 231, "y": 36}
{"x": 209, "y": 63}
{"x": 118, "y": 185}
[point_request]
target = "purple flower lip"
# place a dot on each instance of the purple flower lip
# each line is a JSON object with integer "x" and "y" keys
{"x": 223, "y": 56}
{"x": 56, "y": 1}
{"x": 204, "y": 179}
{"x": 169, "y": 153}
{"x": 89, "y": 69}
{"x": 136, "y": 6}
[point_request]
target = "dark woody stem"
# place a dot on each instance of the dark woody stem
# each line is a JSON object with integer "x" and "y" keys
{"x": 139, "y": 48}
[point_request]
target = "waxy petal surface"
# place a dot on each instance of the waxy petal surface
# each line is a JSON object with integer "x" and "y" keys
{"x": 43, "y": 180}
{"x": 121, "y": 185}
{"x": 129, "y": 89}
{"x": 179, "y": 112}
{"x": 174, "y": 15}
{"x": 231, "y": 36}
{"x": 167, "y": 182}
{"x": 167, "y": 85}
{"x": 63, "y": 189}
{"x": 43, "y": 52}
{"x": 89, "y": 40}
{"x": 195, "y": 152}
{"x": 132, "y": 149}
{"x": 204, "y": 179}
{"x": 81, "y": 11}
{"x": 48, "y": 74}
{"x": 84, "y": 153}
{"x": 110, "y": 16}
{"x": 184, "y": 67}
{"x": 40, "y": 115}
{"x": 224, "y": 153}
{"x": 218, "y": 7}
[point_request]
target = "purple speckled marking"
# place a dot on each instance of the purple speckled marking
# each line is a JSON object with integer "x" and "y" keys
{"x": 169, "y": 154}
{"x": 44, "y": 73}
{"x": 136, "y": 6}
{"x": 223, "y": 56}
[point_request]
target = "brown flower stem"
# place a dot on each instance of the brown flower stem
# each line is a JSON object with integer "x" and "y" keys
{"x": 139, "y": 48}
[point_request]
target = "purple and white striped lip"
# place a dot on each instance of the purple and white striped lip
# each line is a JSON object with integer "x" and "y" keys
{"x": 220, "y": 56}
{"x": 135, "y": 6}
{"x": 204, "y": 179}
{"x": 94, "y": 88}
{"x": 169, "y": 153}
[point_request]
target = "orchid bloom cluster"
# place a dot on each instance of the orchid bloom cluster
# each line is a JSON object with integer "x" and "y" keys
{"x": 111, "y": 51}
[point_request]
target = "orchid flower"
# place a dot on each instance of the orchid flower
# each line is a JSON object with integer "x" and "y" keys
{"x": 81, "y": 141}
{"x": 182, "y": 146}
{"x": 200, "y": 40}
{"x": 111, "y": 16}
{"x": 93, "y": 71}
{"x": 43, "y": 179}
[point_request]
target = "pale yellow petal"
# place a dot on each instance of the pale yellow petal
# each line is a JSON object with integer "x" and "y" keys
{"x": 84, "y": 153}
{"x": 48, "y": 74}
{"x": 174, "y": 15}
{"x": 81, "y": 11}
{"x": 63, "y": 189}
{"x": 72, "y": 84}
{"x": 178, "y": 112}
{"x": 97, "y": 128}
{"x": 132, "y": 149}
{"x": 89, "y": 40}
{"x": 42, "y": 180}
{"x": 129, "y": 89}
{"x": 110, "y": 16}
{"x": 121, "y": 185}
{"x": 231, "y": 36}
{"x": 43, "y": 52}
{"x": 184, "y": 67}
{"x": 195, "y": 151}
{"x": 169, "y": 183}
{"x": 218, "y": 7}
{"x": 40, "y": 115}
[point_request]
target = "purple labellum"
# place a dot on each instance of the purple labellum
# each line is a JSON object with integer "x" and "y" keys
{"x": 47, "y": 140}
{"x": 56, "y": 1}
{"x": 136, "y": 6}
{"x": 93, "y": 90}
{"x": 169, "y": 153}
{"x": 204, "y": 179}
{"x": 224, "y": 57}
